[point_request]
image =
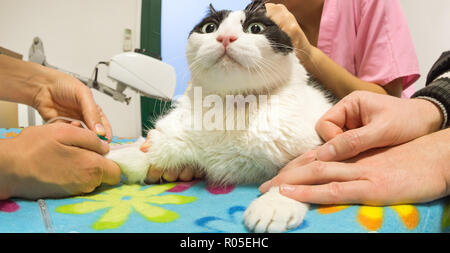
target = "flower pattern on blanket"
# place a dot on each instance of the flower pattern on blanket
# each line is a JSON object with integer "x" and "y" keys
{"x": 215, "y": 190}
{"x": 9, "y": 133}
{"x": 121, "y": 201}
{"x": 8, "y": 206}
{"x": 231, "y": 223}
{"x": 371, "y": 217}
{"x": 446, "y": 217}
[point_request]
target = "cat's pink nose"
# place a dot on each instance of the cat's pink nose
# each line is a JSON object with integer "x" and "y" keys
{"x": 226, "y": 40}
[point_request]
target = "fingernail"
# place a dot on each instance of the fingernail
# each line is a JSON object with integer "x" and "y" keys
{"x": 326, "y": 153}
{"x": 105, "y": 142}
{"x": 100, "y": 129}
{"x": 287, "y": 188}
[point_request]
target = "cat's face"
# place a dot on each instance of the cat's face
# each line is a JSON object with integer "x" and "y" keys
{"x": 239, "y": 51}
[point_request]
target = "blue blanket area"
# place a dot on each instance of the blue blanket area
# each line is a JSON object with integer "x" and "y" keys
{"x": 197, "y": 208}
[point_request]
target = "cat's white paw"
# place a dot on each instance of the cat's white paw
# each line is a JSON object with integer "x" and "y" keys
{"x": 274, "y": 213}
{"x": 133, "y": 162}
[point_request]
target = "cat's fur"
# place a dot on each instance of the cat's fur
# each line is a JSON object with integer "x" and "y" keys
{"x": 257, "y": 64}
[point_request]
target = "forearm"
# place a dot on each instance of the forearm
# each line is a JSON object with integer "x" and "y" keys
{"x": 334, "y": 77}
{"x": 20, "y": 81}
{"x": 442, "y": 140}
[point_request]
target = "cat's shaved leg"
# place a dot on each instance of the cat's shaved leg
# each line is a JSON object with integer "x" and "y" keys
{"x": 133, "y": 162}
{"x": 274, "y": 213}
{"x": 167, "y": 155}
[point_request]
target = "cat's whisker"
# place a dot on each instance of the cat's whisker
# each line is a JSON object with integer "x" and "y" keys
{"x": 297, "y": 50}
{"x": 261, "y": 72}
{"x": 267, "y": 64}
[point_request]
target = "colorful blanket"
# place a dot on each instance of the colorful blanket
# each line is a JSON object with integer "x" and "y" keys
{"x": 197, "y": 208}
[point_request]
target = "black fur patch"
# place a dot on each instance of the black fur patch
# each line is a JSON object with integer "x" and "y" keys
{"x": 256, "y": 12}
{"x": 213, "y": 17}
{"x": 327, "y": 93}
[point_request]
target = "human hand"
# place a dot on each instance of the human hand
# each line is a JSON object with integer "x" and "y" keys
{"x": 65, "y": 161}
{"x": 155, "y": 174}
{"x": 365, "y": 120}
{"x": 415, "y": 172}
{"x": 63, "y": 95}
{"x": 287, "y": 22}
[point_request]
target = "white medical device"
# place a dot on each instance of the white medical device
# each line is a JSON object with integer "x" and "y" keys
{"x": 146, "y": 75}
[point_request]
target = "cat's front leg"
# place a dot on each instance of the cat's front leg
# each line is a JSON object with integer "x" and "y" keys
{"x": 167, "y": 152}
{"x": 274, "y": 213}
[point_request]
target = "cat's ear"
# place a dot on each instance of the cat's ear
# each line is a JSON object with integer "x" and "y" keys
{"x": 256, "y": 6}
{"x": 212, "y": 10}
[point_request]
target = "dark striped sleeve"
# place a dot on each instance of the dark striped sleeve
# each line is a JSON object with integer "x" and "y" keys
{"x": 438, "y": 92}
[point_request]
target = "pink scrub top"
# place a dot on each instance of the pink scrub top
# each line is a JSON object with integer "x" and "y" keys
{"x": 371, "y": 39}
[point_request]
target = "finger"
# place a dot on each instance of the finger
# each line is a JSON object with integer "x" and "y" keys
{"x": 154, "y": 175}
{"x": 106, "y": 124}
{"x": 328, "y": 130}
{"x": 269, "y": 6}
{"x": 349, "y": 144}
{"x": 274, "y": 11}
{"x": 76, "y": 124}
{"x": 63, "y": 121}
{"x": 170, "y": 176}
{"x": 344, "y": 115}
{"x": 111, "y": 171}
{"x": 315, "y": 173}
{"x": 353, "y": 192}
{"x": 70, "y": 135}
{"x": 187, "y": 174}
{"x": 90, "y": 113}
{"x": 302, "y": 160}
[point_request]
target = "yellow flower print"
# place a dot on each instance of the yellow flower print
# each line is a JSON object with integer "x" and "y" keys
{"x": 372, "y": 217}
{"x": 122, "y": 201}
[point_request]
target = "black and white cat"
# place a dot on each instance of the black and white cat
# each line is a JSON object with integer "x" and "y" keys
{"x": 231, "y": 54}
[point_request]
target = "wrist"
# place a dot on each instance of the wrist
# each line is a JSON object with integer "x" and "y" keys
{"x": 40, "y": 80}
{"x": 430, "y": 112}
{"x": 309, "y": 57}
{"x": 301, "y": 45}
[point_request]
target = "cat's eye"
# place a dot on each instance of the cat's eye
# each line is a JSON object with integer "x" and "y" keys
{"x": 209, "y": 28}
{"x": 256, "y": 28}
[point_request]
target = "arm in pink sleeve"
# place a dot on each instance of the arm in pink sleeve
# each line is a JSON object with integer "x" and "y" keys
{"x": 384, "y": 47}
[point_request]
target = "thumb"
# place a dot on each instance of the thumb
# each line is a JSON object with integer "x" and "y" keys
{"x": 349, "y": 144}
{"x": 111, "y": 172}
{"x": 90, "y": 113}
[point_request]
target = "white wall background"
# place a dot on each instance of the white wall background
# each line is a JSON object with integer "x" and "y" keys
{"x": 79, "y": 33}
{"x": 429, "y": 22}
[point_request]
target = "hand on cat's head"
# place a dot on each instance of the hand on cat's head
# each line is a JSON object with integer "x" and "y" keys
{"x": 287, "y": 22}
